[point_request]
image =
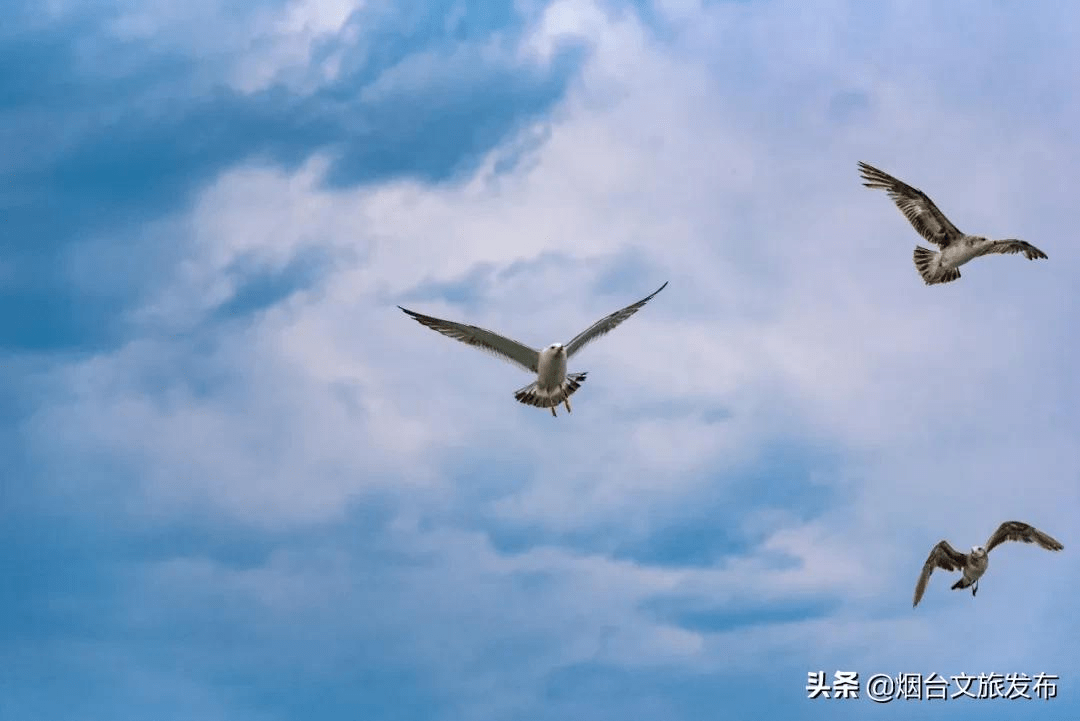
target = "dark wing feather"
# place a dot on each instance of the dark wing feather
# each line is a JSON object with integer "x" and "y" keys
{"x": 1008, "y": 247}
{"x": 914, "y": 204}
{"x": 485, "y": 340}
{"x": 1017, "y": 531}
{"x": 941, "y": 556}
{"x": 607, "y": 324}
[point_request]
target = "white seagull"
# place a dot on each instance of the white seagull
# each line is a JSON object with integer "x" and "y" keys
{"x": 974, "y": 564}
{"x": 956, "y": 248}
{"x": 553, "y": 385}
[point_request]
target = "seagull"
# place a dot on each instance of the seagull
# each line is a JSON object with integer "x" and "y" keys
{"x": 956, "y": 248}
{"x": 553, "y": 385}
{"x": 974, "y": 564}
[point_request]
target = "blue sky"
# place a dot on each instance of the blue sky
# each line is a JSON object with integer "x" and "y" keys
{"x": 240, "y": 485}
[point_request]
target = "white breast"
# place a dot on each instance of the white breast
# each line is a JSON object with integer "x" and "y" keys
{"x": 551, "y": 369}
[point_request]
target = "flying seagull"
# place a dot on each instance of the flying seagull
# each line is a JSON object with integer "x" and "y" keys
{"x": 956, "y": 248}
{"x": 553, "y": 385}
{"x": 974, "y": 564}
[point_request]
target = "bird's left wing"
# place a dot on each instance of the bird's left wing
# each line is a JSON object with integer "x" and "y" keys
{"x": 507, "y": 349}
{"x": 607, "y": 324}
{"x": 1017, "y": 531}
{"x": 1013, "y": 246}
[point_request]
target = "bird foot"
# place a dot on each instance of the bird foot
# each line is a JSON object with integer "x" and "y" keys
{"x": 566, "y": 401}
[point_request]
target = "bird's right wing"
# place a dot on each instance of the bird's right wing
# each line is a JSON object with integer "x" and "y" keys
{"x": 507, "y": 349}
{"x": 914, "y": 204}
{"x": 941, "y": 556}
{"x": 1017, "y": 531}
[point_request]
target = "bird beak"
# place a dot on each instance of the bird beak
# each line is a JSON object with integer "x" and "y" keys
{"x": 567, "y": 402}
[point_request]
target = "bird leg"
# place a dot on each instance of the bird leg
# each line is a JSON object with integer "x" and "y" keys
{"x": 567, "y": 402}
{"x": 553, "y": 411}
{"x": 974, "y": 589}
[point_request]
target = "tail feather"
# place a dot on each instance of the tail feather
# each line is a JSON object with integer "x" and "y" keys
{"x": 960, "y": 584}
{"x": 948, "y": 275}
{"x": 531, "y": 395}
{"x": 926, "y": 262}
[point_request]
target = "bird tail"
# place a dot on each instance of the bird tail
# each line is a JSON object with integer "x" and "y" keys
{"x": 926, "y": 262}
{"x": 962, "y": 583}
{"x": 532, "y": 395}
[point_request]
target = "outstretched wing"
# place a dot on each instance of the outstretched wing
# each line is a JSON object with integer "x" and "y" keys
{"x": 1017, "y": 531}
{"x": 941, "y": 556}
{"x": 605, "y": 325}
{"x": 485, "y": 340}
{"x": 1011, "y": 246}
{"x": 914, "y": 204}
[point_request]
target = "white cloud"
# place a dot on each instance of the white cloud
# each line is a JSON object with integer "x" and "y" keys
{"x": 261, "y": 45}
{"x": 285, "y": 42}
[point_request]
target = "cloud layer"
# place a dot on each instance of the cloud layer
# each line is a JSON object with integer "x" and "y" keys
{"x": 242, "y": 485}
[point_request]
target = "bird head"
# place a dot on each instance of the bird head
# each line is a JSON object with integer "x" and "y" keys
{"x": 978, "y": 551}
{"x": 557, "y": 347}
